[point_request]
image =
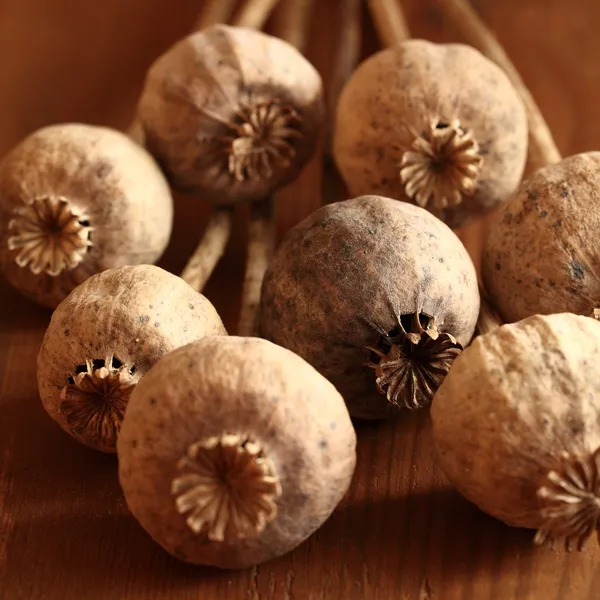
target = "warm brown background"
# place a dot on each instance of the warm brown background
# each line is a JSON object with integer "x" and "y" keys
{"x": 401, "y": 533}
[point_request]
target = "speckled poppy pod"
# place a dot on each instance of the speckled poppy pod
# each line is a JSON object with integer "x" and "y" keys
{"x": 104, "y": 337}
{"x": 438, "y": 125}
{"x": 378, "y": 295}
{"x": 76, "y": 200}
{"x": 233, "y": 451}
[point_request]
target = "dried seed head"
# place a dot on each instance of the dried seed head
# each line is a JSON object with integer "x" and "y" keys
{"x": 540, "y": 254}
{"x": 342, "y": 279}
{"x": 526, "y": 393}
{"x": 571, "y": 502}
{"x": 232, "y": 114}
{"x": 49, "y": 235}
{"x": 76, "y": 200}
{"x": 234, "y": 471}
{"x": 103, "y": 338}
{"x": 261, "y": 140}
{"x": 94, "y": 400}
{"x": 227, "y": 488}
{"x": 412, "y": 361}
{"x": 442, "y": 165}
{"x": 414, "y": 120}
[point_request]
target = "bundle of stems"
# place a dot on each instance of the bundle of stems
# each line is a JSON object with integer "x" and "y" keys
{"x": 292, "y": 23}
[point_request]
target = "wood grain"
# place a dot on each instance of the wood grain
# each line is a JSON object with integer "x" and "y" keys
{"x": 401, "y": 533}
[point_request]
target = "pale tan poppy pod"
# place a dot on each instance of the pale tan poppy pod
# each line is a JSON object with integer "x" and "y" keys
{"x": 75, "y": 200}
{"x": 516, "y": 424}
{"x": 231, "y": 114}
{"x": 541, "y": 254}
{"x": 105, "y": 336}
{"x": 233, "y": 451}
{"x": 438, "y": 125}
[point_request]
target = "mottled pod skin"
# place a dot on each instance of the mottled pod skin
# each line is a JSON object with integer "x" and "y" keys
{"x": 398, "y": 103}
{"x": 238, "y": 388}
{"x": 516, "y": 424}
{"x": 231, "y": 114}
{"x": 349, "y": 273}
{"x": 105, "y": 336}
{"x": 75, "y": 200}
{"x": 541, "y": 255}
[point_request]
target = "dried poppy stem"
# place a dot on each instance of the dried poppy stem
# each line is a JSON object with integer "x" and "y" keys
{"x": 488, "y": 318}
{"x": 255, "y": 13}
{"x": 292, "y": 22}
{"x": 209, "y": 251}
{"x": 261, "y": 243}
{"x": 292, "y": 26}
{"x": 347, "y": 54}
{"x": 390, "y": 23}
{"x": 211, "y": 248}
{"x": 542, "y": 147}
{"x": 215, "y": 11}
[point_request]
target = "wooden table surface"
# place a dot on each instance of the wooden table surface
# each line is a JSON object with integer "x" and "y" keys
{"x": 401, "y": 533}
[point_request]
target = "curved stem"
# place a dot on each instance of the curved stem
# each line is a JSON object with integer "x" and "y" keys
{"x": 292, "y": 25}
{"x": 542, "y": 147}
{"x": 292, "y": 22}
{"x": 255, "y": 13}
{"x": 209, "y": 251}
{"x": 389, "y": 20}
{"x": 488, "y": 319}
{"x": 135, "y": 130}
{"x": 261, "y": 242}
{"x": 347, "y": 54}
{"x": 213, "y": 12}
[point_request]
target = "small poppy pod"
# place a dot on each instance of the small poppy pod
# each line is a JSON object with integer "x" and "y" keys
{"x": 105, "y": 336}
{"x": 516, "y": 424}
{"x": 438, "y": 125}
{"x": 76, "y": 200}
{"x": 231, "y": 114}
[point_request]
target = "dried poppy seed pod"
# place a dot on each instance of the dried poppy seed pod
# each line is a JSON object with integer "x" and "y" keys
{"x": 378, "y": 295}
{"x": 541, "y": 254}
{"x": 438, "y": 125}
{"x": 231, "y": 114}
{"x": 75, "y": 200}
{"x": 517, "y": 425}
{"x": 234, "y": 451}
{"x": 105, "y": 336}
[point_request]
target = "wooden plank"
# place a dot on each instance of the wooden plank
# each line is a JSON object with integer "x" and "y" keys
{"x": 401, "y": 532}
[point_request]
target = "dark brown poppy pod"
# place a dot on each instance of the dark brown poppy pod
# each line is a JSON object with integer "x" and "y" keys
{"x": 231, "y": 114}
{"x": 233, "y": 451}
{"x": 105, "y": 336}
{"x": 541, "y": 255}
{"x": 378, "y": 295}
{"x": 516, "y": 424}
{"x": 439, "y": 125}
{"x": 75, "y": 200}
